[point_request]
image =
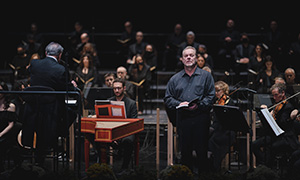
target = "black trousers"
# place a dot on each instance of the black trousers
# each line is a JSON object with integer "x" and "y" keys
{"x": 193, "y": 131}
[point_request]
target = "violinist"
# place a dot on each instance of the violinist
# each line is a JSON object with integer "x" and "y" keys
{"x": 219, "y": 143}
{"x": 222, "y": 93}
{"x": 268, "y": 145}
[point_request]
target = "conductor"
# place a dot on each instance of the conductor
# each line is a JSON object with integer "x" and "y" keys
{"x": 51, "y": 122}
{"x": 193, "y": 121}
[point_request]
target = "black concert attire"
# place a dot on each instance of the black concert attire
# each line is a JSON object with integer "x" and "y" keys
{"x": 127, "y": 144}
{"x": 220, "y": 139}
{"x": 192, "y": 124}
{"x": 137, "y": 75}
{"x": 243, "y": 51}
{"x": 256, "y": 65}
{"x": 271, "y": 144}
{"x": 49, "y": 73}
{"x": 126, "y": 40}
{"x": 226, "y": 51}
{"x": 173, "y": 42}
{"x": 268, "y": 81}
{"x": 20, "y": 62}
{"x": 8, "y": 140}
{"x": 86, "y": 78}
{"x": 130, "y": 90}
{"x": 136, "y": 48}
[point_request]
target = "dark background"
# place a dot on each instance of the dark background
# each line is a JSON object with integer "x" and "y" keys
{"x": 153, "y": 18}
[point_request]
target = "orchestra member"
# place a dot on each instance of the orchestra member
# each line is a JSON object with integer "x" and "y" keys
{"x": 220, "y": 139}
{"x": 189, "y": 84}
{"x": 268, "y": 145}
{"x": 125, "y": 144}
{"x": 8, "y": 119}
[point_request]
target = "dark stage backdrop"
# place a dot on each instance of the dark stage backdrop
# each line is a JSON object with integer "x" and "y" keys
{"x": 154, "y": 19}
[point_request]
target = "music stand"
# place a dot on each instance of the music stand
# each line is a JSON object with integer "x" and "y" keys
{"x": 231, "y": 118}
{"x": 96, "y": 93}
{"x": 259, "y": 99}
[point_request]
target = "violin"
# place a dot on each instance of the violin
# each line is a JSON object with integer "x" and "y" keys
{"x": 277, "y": 108}
{"x": 222, "y": 100}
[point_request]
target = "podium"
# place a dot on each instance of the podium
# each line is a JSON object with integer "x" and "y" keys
{"x": 231, "y": 118}
{"x": 109, "y": 125}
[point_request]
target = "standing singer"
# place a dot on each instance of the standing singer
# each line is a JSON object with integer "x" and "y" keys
{"x": 193, "y": 121}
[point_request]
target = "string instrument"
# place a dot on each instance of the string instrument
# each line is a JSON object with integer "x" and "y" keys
{"x": 278, "y": 108}
{"x": 280, "y": 104}
{"x": 284, "y": 100}
{"x": 222, "y": 100}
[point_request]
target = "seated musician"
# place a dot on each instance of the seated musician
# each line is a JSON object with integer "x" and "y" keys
{"x": 8, "y": 128}
{"x": 295, "y": 156}
{"x": 268, "y": 145}
{"x": 126, "y": 144}
{"x": 219, "y": 140}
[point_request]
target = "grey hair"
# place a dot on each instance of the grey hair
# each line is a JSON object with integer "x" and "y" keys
{"x": 54, "y": 49}
{"x": 189, "y": 47}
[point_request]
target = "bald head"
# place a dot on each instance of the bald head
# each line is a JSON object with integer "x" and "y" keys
{"x": 121, "y": 72}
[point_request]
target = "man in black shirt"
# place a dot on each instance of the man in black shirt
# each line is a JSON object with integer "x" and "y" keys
{"x": 193, "y": 121}
{"x": 126, "y": 144}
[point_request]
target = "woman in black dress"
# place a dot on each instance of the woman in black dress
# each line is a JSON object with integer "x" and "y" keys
{"x": 86, "y": 74}
{"x": 8, "y": 117}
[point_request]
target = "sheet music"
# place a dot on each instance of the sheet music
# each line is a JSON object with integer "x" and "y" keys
{"x": 116, "y": 111}
{"x": 276, "y": 129}
{"x": 121, "y": 103}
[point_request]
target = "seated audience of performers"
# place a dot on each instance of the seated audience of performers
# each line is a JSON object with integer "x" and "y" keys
{"x": 150, "y": 55}
{"x": 8, "y": 127}
{"x": 268, "y": 145}
{"x": 19, "y": 63}
{"x": 219, "y": 140}
{"x": 89, "y": 48}
{"x": 290, "y": 76}
{"x": 126, "y": 39}
{"x": 109, "y": 79}
{"x": 172, "y": 44}
{"x": 243, "y": 51}
{"x": 201, "y": 62}
{"x": 265, "y": 78}
{"x": 208, "y": 58}
{"x": 291, "y": 85}
{"x": 256, "y": 61}
{"x": 86, "y": 74}
{"x": 136, "y": 48}
{"x": 139, "y": 71}
{"x": 130, "y": 88}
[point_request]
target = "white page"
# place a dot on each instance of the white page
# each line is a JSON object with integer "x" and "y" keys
{"x": 276, "y": 129}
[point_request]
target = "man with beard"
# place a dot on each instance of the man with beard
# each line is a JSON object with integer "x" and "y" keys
{"x": 125, "y": 144}
{"x": 192, "y": 89}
